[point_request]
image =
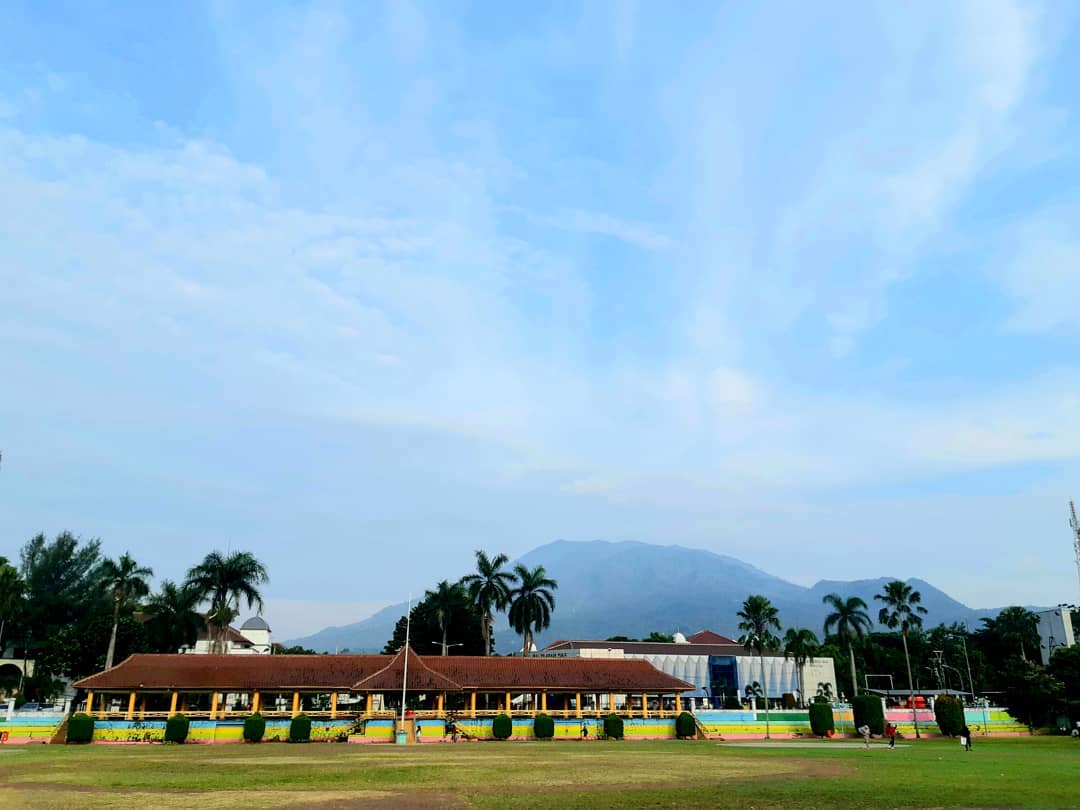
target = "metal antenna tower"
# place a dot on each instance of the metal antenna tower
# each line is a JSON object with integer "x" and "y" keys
{"x": 1074, "y": 524}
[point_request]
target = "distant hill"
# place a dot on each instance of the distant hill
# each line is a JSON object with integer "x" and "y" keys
{"x": 631, "y": 589}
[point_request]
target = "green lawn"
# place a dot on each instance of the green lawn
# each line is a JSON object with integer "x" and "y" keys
{"x": 1013, "y": 772}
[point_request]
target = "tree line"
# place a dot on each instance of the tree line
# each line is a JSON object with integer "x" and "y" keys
{"x": 75, "y": 611}
{"x": 460, "y": 616}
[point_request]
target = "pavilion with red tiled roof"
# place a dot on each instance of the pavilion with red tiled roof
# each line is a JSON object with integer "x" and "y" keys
{"x": 366, "y": 685}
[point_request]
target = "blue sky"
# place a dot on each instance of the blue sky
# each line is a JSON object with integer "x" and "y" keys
{"x": 364, "y": 287}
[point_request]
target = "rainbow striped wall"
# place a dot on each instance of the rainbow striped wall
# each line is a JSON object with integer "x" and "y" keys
{"x": 32, "y": 727}
{"x": 209, "y": 731}
{"x": 565, "y": 728}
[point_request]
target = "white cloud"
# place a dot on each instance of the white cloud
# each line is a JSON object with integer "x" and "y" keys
{"x": 1043, "y": 274}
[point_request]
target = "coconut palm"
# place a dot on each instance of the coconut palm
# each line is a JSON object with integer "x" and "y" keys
{"x": 902, "y": 606}
{"x": 851, "y": 621}
{"x": 223, "y": 580}
{"x": 489, "y": 589}
{"x": 175, "y": 622}
{"x": 801, "y": 645}
{"x": 531, "y": 603}
{"x": 446, "y": 600}
{"x": 759, "y": 619}
{"x": 124, "y": 579}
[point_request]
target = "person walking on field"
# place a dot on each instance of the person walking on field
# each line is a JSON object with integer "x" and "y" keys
{"x": 965, "y": 737}
{"x": 864, "y": 730}
{"x": 890, "y": 731}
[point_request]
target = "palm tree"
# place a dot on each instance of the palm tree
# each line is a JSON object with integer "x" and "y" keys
{"x": 446, "y": 600}
{"x": 901, "y": 609}
{"x": 802, "y": 645}
{"x": 489, "y": 589}
{"x": 176, "y": 622}
{"x": 824, "y": 690}
{"x": 124, "y": 578}
{"x": 531, "y": 603}
{"x": 223, "y": 580}
{"x": 851, "y": 621}
{"x": 759, "y": 619}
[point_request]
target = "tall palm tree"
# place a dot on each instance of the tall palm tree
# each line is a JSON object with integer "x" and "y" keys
{"x": 531, "y": 603}
{"x": 223, "y": 580}
{"x": 801, "y": 645}
{"x": 901, "y": 609}
{"x": 759, "y": 619}
{"x": 446, "y": 600}
{"x": 489, "y": 589}
{"x": 124, "y": 579}
{"x": 851, "y": 621}
{"x": 176, "y": 621}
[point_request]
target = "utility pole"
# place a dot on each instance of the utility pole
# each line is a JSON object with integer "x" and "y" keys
{"x": 1074, "y": 524}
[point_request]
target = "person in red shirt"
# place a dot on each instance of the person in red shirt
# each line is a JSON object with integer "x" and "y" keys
{"x": 890, "y": 732}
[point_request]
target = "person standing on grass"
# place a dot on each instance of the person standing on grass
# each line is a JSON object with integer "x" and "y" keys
{"x": 864, "y": 730}
{"x": 890, "y": 731}
{"x": 965, "y": 737}
{"x": 419, "y": 731}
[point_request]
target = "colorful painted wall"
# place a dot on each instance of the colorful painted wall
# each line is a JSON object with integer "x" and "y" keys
{"x": 210, "y": 731}
{"x": 31, "y": 727}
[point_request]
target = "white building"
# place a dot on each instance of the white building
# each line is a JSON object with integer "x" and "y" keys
{"x": 1055, "y": 631}
{"x": 253, "y": 638}
{"x": 718, "y": 666}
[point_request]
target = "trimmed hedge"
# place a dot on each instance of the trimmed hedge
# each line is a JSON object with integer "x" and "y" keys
{"x": 300, "y": 729}
{"x": 613, "y": 727}
{"x": 254, "y": 728}
{"x": 869, "y": 712}
{"x": 80, "y": 728}
{"x": 821, "y": 719}
{"x": 949, "y": 713}
{"x": 684, "y": 726}
{"x": 543, "y": 727}
{"x": 502, "y": 727}
{"x": 176, "y": 729}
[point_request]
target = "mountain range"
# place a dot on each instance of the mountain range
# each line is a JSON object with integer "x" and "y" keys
{"x": 631, "y": 589}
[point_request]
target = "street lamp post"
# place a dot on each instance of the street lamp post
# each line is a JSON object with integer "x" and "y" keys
{"x": 445, "y": 647}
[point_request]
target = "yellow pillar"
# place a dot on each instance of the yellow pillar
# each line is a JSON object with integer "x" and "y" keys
{"x": 442, "y": 696}
{"x": 543, "y": 701}
{"x": 142, "y": 708}
{"x": 472, "y": 704}
{"x": 596, "y": 697}
{"x": 368, "y": 704}
{"x": 509, "y": 712}
{"x": 333, "y": 705}
{"x": 255, "y": 703}
{"x": 629, "y": 705}
{"x": 104, "y": 706}
{"x": 295, "y": 703}
{"x": 131, "y": 707}
{"x": 577, "y": 704}
{"x": 644, "y": 705}
{"x": 172, "y": 704}
{"x": 678, "y": 703}
{"x": 183, "y": 705}
{"x": 213, "y": 705}
{"x": 611, "y": 702}
{"x": 90, "y": 702}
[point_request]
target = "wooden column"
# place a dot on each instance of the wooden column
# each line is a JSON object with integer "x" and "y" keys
{"x": 368, "y": 704}
{"x": 131, "y": 707}
{"x": 472, "y": 704}
{"x": 441, "y": 703}
{"x": 213, "y": 705}
{"x": 90, "y": 702}
{"x": 333, "y": 705}
{"x": 183, "y": 704}
{"x": 611, "y": 703}
{"x": 295, "y": 703}
{"x": 596, "y": 696}
{"x": 255, "y": 703}
{"x": 629, "y": 705}
{"x": 142, "y": 708}
{"x": 577, "y": 704}
{"x": 172, "y": 703}
{"x": 105, "y": 703}
{"x": 644, "y": 705}
{"x": 509, "y": 712}
{"x": 678, "y": 702}
{"x": 543, "y": 701}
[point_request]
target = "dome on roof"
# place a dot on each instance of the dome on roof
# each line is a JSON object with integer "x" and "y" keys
{"x": 680, "y": 639}
{"x": 255, "y": 623}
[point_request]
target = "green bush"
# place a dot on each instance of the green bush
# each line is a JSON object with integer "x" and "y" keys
{"x": 502, "y": 727}
{"x": 868, "y": 712}
{"x": 613, "y": 727}
{"x": 176, "y": 729}
{"x": 254, "y": 728}
{"x": 300, "y": 729}
{"x": 1072, "y": 708}
{"x": 821, "y": 719}
{"x": 543, "y": 727}
{"x": 80, "y": 728}
{"x": 949, "y": 713}
{"x": 732, "y": 702}
{"x": 684, "y": 726}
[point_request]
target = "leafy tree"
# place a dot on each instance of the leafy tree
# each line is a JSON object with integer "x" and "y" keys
{"x": 1031, "y": 693}
{"x": 531, "y": 603}
{"x": 852, "y": 622}
{"x": 223, "y": 580}
{"x": 901, "y": 610}
{"x": 465, "y": 623}
{"x": 661, "y": 638}
{"x": 61, "y": 580}
{"x": 445, "y": 600}
{"x": 1065, "y": 667}
{"x": 124, "y": 579}
{"x": 11, "y": 591}
{"x": 801, "y": 645}
{"x": 174, "y": 621}
{"x": 296, "y": 649}
{"x": 758, "y": 619}
{"x": 619, "y": 638}
{"x": 489, "y": 589}
{"x": 1014, "y": 630}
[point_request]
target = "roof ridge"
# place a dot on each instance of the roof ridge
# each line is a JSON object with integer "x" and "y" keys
{"x": 409, "y": 655}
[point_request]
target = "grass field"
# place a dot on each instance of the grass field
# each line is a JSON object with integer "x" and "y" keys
{"x": 1013, "y": 772}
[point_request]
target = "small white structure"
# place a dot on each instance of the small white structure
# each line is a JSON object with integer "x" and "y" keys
{"x": 1055, "y": 631}
{"x": 253, "y": 638}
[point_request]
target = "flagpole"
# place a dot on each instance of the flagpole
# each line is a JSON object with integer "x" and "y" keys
{"x": 405, "y": 677}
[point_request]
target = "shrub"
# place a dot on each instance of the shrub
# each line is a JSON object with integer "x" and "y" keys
{"x": 80, "y": 728}
{"x": 543, "y": 727}
{"x": 1072, "y": 708}
{"x": 821, "y": 719}
{"x": 254, "y": 728}
{"x": 613, "y": 727}
{"x": 732, "y": 702}
{"x": 684, "y": 726}
{"x": 949, "y": 713}
{"x": 300, "y": 729}
{"x": 176, "y": 729}
{"x": 868, "y": 712}
{"x": 502, "y": 727}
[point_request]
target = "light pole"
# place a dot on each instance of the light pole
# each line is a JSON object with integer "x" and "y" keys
{"x": 405, "y": 676}
{"x": 967, "y": 661}
{"x": 445, "y": 647}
